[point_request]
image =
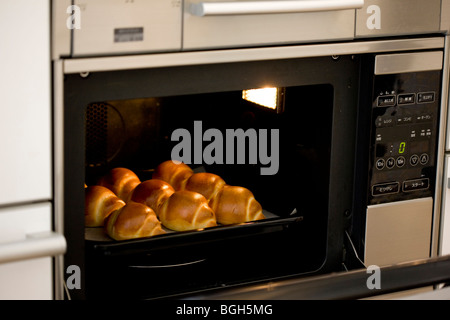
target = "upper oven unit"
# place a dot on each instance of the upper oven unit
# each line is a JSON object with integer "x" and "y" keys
{"x": 115, "y": 27}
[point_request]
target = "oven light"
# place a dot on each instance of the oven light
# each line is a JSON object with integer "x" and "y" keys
{"x": 266, "y": 97}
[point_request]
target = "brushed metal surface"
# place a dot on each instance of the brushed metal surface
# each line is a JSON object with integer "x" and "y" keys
{"x": 445, "y": 15}
{"x": 244, "y": 30}
{"x": 160, "y": 21}
{"x": 398, "y": 232}
{"x": 61, "y": 34}
{"x": 207, "y": 8}
{"x": 387, "y": 17}
{"x": 253, "y": 54}
{"x": 441, "y": 149}
{"x": 444, "y": 243}
{"x": 58, "y": 170}
{"x": 408, "y": 62}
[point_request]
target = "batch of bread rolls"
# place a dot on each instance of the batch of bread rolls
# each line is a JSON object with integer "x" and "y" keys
{"x": 174, "y": 199}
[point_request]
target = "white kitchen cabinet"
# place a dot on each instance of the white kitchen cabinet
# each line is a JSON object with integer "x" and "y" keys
{"x": 27, "y": 245}
{"x": 27, "y": 240}
{"x": 25, "y": 101}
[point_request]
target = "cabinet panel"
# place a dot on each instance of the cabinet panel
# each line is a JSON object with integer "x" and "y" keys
{"x": 28, "y": 278}
{"x": 264, "y": 28}
{"x": 25, "y": 124}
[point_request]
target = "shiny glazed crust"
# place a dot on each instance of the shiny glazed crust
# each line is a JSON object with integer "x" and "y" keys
{"x": 236, "y": 205}
{"x": 134, "y": 220}
{"x": 121, "y": 181}
{"x": 174, "y": 173}
{"x": 100, "y": 202}
{"x": 187, "y": 210}
{"x": 207, "y": 184}
{"x": 153, "y": 193}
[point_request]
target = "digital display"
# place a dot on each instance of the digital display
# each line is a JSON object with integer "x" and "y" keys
{"x": 399, "y": 148}
{"x": 402, "y": 147}
{"x": 407, "y": 147}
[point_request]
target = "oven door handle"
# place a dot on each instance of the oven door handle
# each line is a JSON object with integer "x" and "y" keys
{"x": 36, "y": 245}
{"x": 266, "y": 7}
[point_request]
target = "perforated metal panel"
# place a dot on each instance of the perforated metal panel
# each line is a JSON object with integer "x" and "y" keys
{"x": 96, "y": 134}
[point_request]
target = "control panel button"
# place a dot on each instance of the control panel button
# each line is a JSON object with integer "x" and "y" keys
{"x": 401, "y": 162}
{"x": 390, "y": 163}
{"x": 386, "y": 101}
{"x": 416, "y": 184}
{"x": 385, "y": 188}
{"x": 414, "y": 160}
{"x": 384, "y": 122}
{"x": 380, "y": 164}
{"x": 425, "y": 97}
{"x": 408, "y": 98}
{"x": 424, "y": 158}
{"x": 427, "y": 117}
{"x": 404, "y": 120}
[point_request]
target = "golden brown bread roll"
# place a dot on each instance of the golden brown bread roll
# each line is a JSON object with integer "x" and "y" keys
{"x": 121, "y": 181}
{"x": 186, "y": 210}
{"x": 134, "y": 220}
{"x": 153, "y": 193}
{"x": 207, "y": 184}
{"x": 236, "y": 205}
{"x": 100, "y": 202}
{"x": 174, "y": 173}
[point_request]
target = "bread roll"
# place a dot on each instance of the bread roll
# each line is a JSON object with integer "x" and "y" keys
{"x": 153, "y": 193}
{"x": 236, "y": 205}
{"x": 134, "y": 220}
{"x": 186, "y": 210}
{"x": 174, "y": 173}
{"x": 121, "y": 181}
{"x": 207, "y": 184}
{"x": 100, "y": 202}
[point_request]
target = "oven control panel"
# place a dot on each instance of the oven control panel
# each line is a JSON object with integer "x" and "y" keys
{"x": 405, "y": 110}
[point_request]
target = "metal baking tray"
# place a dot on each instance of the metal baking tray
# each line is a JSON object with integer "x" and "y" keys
{"x": 102, "y": 244}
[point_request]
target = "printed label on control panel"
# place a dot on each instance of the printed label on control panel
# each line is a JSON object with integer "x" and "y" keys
{"x": 128, "y": 34}
{"x": 425, "y": 97}
{"x": 385, "y": 188}
{"x": 415, "y": 185}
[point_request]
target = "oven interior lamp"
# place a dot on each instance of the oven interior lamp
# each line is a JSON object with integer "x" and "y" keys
{"x": 266, "y": 97}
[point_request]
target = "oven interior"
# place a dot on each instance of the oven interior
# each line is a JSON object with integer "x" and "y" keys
{"x": 136, "y": 134}
{"x": 306, "y": 135}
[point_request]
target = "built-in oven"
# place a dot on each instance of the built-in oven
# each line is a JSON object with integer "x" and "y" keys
{"x": 333, "y": 139}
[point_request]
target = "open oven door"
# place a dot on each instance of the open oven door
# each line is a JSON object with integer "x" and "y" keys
{"x": 398, "y": 281}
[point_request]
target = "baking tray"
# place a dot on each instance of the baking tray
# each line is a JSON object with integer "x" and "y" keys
{"x": 102, "y": 244}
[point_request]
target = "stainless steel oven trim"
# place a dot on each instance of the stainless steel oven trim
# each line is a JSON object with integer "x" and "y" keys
{"x": 257, "y": 7}
{"x": 443, "y": 144}
{"x": 115, "y": 63}
{"x": 408, "y": 62}
{"x": 58, "y": 168}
